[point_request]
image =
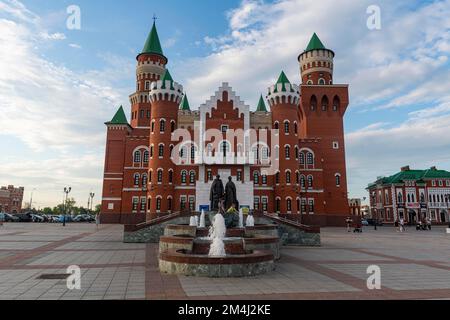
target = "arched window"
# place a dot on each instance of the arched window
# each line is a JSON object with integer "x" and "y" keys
{"x": 264, "y": 179}
{"x": 151, "y": 151}
{"x": 302, "y": 181}
{"x": 192, "y": 177}
{"x": 277, "y": 178}
{"x": 289, "y": 205}
{"x": 288, "y": 177}
{"x": 255, "y": 153}
{"x": 278, "y": 205}
{"x": 170, "y": 176}
{"x": 150, "y": 174}
{"x": 171, "y": 147}
{"x": 286, "y": 127}
{"x": 146, "y": 156}
{"x": 310, "y": 181}
{"x": 225, "y": 148}
{"x": 160, "y": 176}
{"x": 153, "y": 126}
{"x": 295, "y": 128}
{"x": 321, "y": 82}
{"x": 137, "y": 156}
{"x": 296, "y": 152}
{"x": 136, "y": 179}
{"x": 287, "y": 152}
{"x": 172, "y": 126}
{"x": 158, "y": 204}
{"x": 193, "y": 150}
{"x": 162, "y": 125}
{"x": 169, "y": 204}
{"x": 297, "y": 177}
{"x": 144, "y": 180}
{"x": 265, "y": 153}
{"x": 313, "y": 103}
{"x": 310, "y": 158}
{"x": 338, "y": 180}
{"x": 309, "y": 82}
{"x": 161, "y": 150}
{"x": 256, "y": 177}
{"x": 183, "y": 176}
{"x": 183, "y": 152}
{"x": 400, "y": 197}
{"x": 276, "y": 125}
{"x": 302, "y": 158}
{"x": 336, "y": 103}
{"x": 325, "y": 103}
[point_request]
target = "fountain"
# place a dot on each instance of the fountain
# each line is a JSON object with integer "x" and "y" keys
{"x": 250, "y": 221}
{"x": 241, "y": 218}
{"x": 217, "y": 234}
{"x": 202, "y": 220}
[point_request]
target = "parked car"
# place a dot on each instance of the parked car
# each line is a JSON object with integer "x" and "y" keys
{"x": 23, "y": 217}
{"x": 37, "y": 218}
{"x": 79, "y": 218}
{"x": 54, "y": 219}
{"x": 67, "y": 218}
{"x": 364, "y": 222}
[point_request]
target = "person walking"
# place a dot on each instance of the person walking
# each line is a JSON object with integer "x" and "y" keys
{"x": 349, "y": 224}
{"x": 402, "y": 225}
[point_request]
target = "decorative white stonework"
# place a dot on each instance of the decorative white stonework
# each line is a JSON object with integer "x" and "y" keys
{"x": 157, "y": 92}
{"x": 291, "y": 94}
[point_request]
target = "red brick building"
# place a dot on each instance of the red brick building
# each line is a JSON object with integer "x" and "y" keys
{"x": 412, "y": 195}
{"x": 289, "y": 159}
{"x": 11, "y": 199}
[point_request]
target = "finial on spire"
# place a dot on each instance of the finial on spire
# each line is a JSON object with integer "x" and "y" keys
{"x": 154, "y": 18}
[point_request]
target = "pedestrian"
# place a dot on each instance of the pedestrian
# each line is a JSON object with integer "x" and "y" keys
{"x": 2, "y": 218}
{"x": 402, "y": 225}
{"x": 429, "y": 223}
{"x": 397, "y": 225}
{"x": 97, "y": 221}
{"x": 349, "y": 224}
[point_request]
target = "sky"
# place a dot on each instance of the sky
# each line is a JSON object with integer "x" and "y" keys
{"x": 58, "y": 85}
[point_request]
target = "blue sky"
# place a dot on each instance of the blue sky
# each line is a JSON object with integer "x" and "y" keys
{"x": 58, "y": 86}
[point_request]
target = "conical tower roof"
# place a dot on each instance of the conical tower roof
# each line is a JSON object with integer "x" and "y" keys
{"x": 153, "y": 45}
{"x": 282, "y": 79}
{"x": 119, "y": 117}
{"x": 167, "y": 77}
{"x": 315, "y": 43}
{"x": 261, "y": 105}
{"x": 184, "y": 105}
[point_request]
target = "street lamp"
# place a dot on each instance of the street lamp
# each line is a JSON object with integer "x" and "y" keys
{"x": 31, "y": 199}
{"x": 66, "y": 192}
{"x": 91, "y": 197}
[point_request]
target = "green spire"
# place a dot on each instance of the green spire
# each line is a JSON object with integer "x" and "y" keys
{"x": 282, "y": 79}
{"x": 167, "y": 77}
{"x": 119, "y": 117}
{"x": 315, "y": 43}
{"x": 153, "y": 45}
{"x": 261, "y": 105}
{"x": 184, "y": 105}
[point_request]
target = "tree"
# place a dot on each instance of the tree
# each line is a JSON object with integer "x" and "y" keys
{"x": 98, "y": 208}
{"x": 47, "y": 210}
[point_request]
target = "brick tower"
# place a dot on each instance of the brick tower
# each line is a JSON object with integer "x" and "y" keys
{"x": 284, "y": 98}
{"x": 151, "y": 64}
{"x": 165, "y": 97}
{"x": 322, "y": 108}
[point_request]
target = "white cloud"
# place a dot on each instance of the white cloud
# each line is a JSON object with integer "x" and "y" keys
{"x": 53, "y": 36}
{"x": 75, "y": 46}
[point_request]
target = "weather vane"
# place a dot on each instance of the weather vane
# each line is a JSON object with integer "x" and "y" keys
{"x": 154, "y": 18}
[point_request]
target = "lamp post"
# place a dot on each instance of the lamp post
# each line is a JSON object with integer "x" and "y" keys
{"x": 31, "y": 199}
{"x": 66, "y": 192}
{"x": 91, "y": 197}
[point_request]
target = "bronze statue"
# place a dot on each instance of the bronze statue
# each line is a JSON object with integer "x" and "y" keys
{"x": 216, "y": 193}
{"x": 230, "y": 194}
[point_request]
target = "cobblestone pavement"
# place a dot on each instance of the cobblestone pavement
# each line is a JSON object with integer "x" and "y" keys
{"x": 414, "y": 265}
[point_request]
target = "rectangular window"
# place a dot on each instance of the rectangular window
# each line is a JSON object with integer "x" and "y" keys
{"x": 209, "y": 175}
{"x": 158, "y": 204}
{"x": 192, "y": 203}
{"x": 335, "y": 145}
{"x": 143, "y": 204}
{"x": 265, "y": 202}
{"x": 147, "y": 85}
{"x": 256, "y": 203}
{"x": 110, "y": 206}
{"x": 264, "y": 179}
{"x": 311, "y": 206}
{"x": 224, "y": 128}
{"x": 135, "y": 203}
{"x": 239, "y": 175}
{"x": 183, "y": 202}
{"x": 303, "y": 206}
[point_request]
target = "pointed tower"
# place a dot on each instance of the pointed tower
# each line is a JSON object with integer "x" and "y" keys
{"x": 322, "y": 109}
{"x": 151, "y": 66}
{"x": 316, "y": 63}
{"x": 165, "y": 97}
{"x": 261, "y": 105}
{"x": 284, "y": 98}
{"x": 118, "y": 130}
{"x": 184, "y": 105}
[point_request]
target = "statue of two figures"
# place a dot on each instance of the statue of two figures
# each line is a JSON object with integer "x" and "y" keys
{"x": 224, "y": 201}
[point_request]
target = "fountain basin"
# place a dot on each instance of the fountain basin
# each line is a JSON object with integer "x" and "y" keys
{"x": 184, "y": 262}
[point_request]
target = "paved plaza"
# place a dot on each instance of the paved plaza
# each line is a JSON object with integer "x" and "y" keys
{"x": 414, "y": 265}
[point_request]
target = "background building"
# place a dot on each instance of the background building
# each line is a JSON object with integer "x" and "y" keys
{"x": 11, "y": 199}
{"x": 355, "y": 207}
{"x": 412, "y": 195}
{"x": 142, "y": 182}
